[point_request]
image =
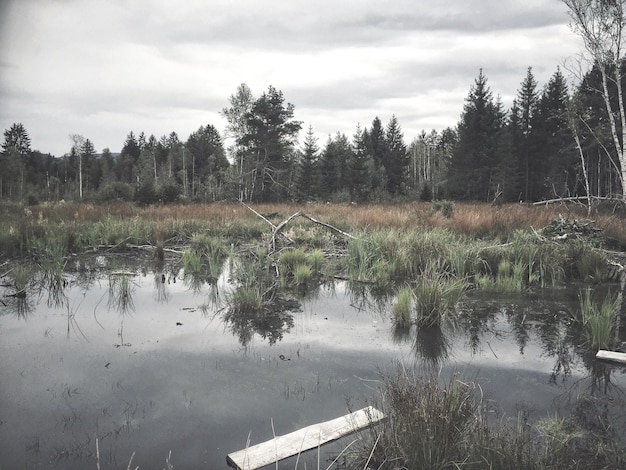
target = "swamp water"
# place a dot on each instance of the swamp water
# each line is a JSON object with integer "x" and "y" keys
{"x": 147, "y": 361}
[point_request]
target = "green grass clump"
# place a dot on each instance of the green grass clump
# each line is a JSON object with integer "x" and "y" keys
{"x": 316, "y": 259}
{"x": 403, "y": 307}
{"x": 434, "y": 425}
{"x": 598, "y": 320}
{"x": 436, "y": 293}
{"x": 590, "y": 265}
{"x": 22, "y": 276}
{"x": 302, "y": 274}
{"x": 246, "y": 299}
{"x": 204, "y": 257}
{"x": 289, "y": 259}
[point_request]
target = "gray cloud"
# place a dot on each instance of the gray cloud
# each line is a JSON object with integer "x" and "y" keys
{"x": 105, "y": 68}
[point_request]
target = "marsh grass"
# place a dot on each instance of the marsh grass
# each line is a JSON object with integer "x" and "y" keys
{"x": 302, "y": 274}
{"x": 446, "y": 425}
{"x": 121, "y": 290}
{"x": 428, "y": 426}
{"x": 22, "y": 276}
{"x": 598, "y": 319}
{"x": 590, "y": 264}
{"x": 289, "y": 259}
{"x": 436, "y": 293}
{"x": 246, "y": 299}
{"x": 403, "y": 307}
{"x": 204, "y": 258}
{"x": 509, "y": 278}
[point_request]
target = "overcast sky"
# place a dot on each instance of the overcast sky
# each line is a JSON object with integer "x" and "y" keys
{"x": 104, "y": 68}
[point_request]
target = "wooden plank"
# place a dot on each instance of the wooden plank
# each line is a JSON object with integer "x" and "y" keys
{"x": 611, "y": 356}
{"x": 304, "y": 439}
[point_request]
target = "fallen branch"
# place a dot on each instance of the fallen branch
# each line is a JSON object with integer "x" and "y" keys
{"x": 345, "y": 234}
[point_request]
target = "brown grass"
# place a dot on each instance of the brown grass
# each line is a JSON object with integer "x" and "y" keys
{"x": 472, "y": 219}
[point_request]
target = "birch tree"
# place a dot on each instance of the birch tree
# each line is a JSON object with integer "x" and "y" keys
{"x": 600, "y": 24}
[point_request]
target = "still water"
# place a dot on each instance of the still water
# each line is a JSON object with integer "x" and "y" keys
{"x": 159, "y": 365}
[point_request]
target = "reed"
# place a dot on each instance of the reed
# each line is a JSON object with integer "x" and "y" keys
{"x": 302, "y": 274}
{"x": 245, "y": 299}
{"x": 22, "y": 276}
{"x": 121, "y": 290}
{"x": 436, "y": 293}
{"x": 590, "y": 264}
{"x": 598, "y": 319}
{"x": 289, "y": 259}
{"x": 315, "y": 259}
{"x": 403, "y": 307}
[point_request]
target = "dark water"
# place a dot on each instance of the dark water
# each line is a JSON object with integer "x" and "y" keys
{"x": 165, "y": 368}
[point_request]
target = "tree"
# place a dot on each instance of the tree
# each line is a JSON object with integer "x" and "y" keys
{"x": 526, "y": 105}
{"x": 600, "y": 24}
{"x": 208, "y": 160}
{"x": 78, "y": 143}
{"x": 307, "y": 168}
{"x": 475, "y": 157}
{"x": 237, "y": 128}
{"x": 396, "y": 160}
{"x": 378, "y": 149}
{"x": 360, "y": 168}
{"x": 269, "y": 144}
{"x": 15, "y": 151}
{"x": 554, "y": 139}
{"x": 334, "y": 167}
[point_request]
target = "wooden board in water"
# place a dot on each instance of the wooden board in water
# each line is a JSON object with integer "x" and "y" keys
{"x": 304, "y": 439}
{"x": 611, "y": 356}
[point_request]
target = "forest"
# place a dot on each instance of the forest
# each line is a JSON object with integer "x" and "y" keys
{"x": 553, "y": 142}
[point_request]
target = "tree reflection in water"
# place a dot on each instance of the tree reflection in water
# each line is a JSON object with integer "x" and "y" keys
{"x": 270, "y": 319}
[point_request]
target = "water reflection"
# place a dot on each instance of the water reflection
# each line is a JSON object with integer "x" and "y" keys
{"x": 249, "y": 312}
{"x": 121, "y": 289}
{"x": 160, "y": 287}
{"x": 432, "y": 346}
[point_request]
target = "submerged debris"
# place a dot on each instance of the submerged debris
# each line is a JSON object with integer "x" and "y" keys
{"x": 561, "y": 228}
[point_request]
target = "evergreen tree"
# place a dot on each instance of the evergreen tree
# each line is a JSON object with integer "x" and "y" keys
{"x": 555, "y": 140}
{"x": 126, "y": 160}
{"x": 396, "y": 158}
{"x": 208, "y": 162}
{"x": 334, "y": 166}
{"x": 269, "y": 144}
{"x": 527, "y": 98}
{"x": 13, "y": 158}
{"x": 475, "y": 157}
{"x": 360, "y": 168}
{"x": 307, "y": 178}
{"x": 378, "y": 150}
{"x": 91, "y": 169}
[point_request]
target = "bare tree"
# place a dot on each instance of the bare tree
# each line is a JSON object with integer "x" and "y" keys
{"x": 601, "y": 25}
{"x": 78, "y": 143}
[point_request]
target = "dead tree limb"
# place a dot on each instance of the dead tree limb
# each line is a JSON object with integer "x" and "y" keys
{"x": 277, "y": 229}
{"x": 345, "y": 234}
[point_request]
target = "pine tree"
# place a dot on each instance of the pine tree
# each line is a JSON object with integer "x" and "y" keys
{"x": 378, "y": 150}
{"x": 269, "y": 144}
{"x": 396, "y": 159}
{"x": 527, "y": 98}
{"x": 360, "y": 168}
{"x": 475, "y": 157}
{"x": 307, "y": 185}
{"x": 13, "y": 160}
{"x": 555, "y": 140}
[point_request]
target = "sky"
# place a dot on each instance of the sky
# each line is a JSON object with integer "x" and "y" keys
{"x": 103, "y": 68}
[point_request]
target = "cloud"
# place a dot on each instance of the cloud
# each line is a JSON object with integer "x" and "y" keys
{"x": 67, "y": 66}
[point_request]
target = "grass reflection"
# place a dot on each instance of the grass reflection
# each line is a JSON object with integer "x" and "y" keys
{"x": 121, "y": 289}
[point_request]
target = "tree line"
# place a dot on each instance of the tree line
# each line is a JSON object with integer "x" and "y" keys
{"x": 553, "y": 142}
{"x": 526, "y": 153}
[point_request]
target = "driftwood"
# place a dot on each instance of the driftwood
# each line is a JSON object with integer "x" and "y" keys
{"x": 577, "y": 199}
{"x": 277, "y": 229}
